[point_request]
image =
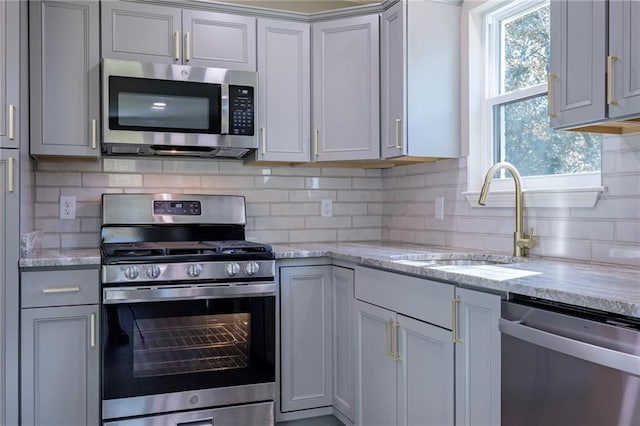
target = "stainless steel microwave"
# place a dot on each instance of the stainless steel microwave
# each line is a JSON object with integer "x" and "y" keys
{"x": 164, "y": 109}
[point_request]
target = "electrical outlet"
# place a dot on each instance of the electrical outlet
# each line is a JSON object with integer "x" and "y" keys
{"x": 67, "y": 207}
{"x": 326, "y": 209}
{"x": 439, "y": 208}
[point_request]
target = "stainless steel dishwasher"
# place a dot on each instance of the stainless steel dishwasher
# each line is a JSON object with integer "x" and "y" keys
{"x": 568, "y": 366}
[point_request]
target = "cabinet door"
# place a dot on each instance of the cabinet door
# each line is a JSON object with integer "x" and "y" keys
{"x": 578, "y": 56}
{"x": 60, "y": 366}
{"x": 65, "y": 71}
{"x": 624, "y": 43}
{"x": 478, "y": 359}
{"x": 284, "y": 84}
{"x": 346, "y": 94}
{"x": 305, "y": 337}
{"x": 141, "y": 32}
{"x": 9, "y": 72}
{"x": 425, "y": 374}
{"x": 9, "y": 301}
{"x": 392, "y": 78}
{"x": 219, "y": 40}
{"x": 376, "y": 370}
{"x": 343, "y": 341}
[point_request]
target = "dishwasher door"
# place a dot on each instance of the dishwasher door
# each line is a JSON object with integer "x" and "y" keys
{"x": 562, "y": 369}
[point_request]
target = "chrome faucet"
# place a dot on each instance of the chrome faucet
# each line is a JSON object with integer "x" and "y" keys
{"x": 521, "y": 241}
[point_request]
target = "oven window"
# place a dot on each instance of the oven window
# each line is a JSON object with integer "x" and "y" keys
{"x": 161, "y": 347}
{"x": 180, "y": 345}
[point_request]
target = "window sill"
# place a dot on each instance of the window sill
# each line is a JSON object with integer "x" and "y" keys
{"x": 585, "y": 197}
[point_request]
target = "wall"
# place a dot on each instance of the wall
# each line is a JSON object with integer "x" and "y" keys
{"x": 608, "y": 233}
{"x": 283, "y": 204}
{"x": 397, "y": 204}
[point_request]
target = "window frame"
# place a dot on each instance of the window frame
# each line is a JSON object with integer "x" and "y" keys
{"x": 480, "y": 18}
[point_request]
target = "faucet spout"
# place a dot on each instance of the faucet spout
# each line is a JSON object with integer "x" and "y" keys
{"x": 521, "y": 241}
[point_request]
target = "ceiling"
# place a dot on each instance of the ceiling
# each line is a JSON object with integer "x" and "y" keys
{"x": 305, "y": 6}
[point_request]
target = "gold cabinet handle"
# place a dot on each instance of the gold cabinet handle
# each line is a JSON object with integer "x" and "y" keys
{"x": 263, "y": 134}
{"x": 92, "y": 337}
{"x": 10, "y": 174}
{"x": 187, "y": 46}
{"x": 315, "y": 142}
{"x": 398, "y": 134}
{"x": 454, "y": 320}
{"x": 176, "y": 46}
{"x": 610, "y": 99}
{"x": 396, "y": 341}
{"x": 12, "y": 116}
{"x": 388, "y": 338}
{"x": 61, "y": 290}
{"x": 550, "y": 96}
{"x": 94, "y": 133}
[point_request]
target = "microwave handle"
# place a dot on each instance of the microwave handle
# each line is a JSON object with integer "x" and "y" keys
{"x": 224, "y": 109}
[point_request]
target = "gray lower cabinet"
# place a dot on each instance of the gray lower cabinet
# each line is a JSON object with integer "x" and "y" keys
{"x": 9, "y": 72}
{"x": 172, "y": 35}
{"x": 305, "y": 337}
{"x": 60, "y": 356}
{"x": 9, "y": 288}
{"x": 478, "y": 358}
{"x": 405, "y": 350}
{"x": 317, "y": 367}
{"x": 343, "y": 331}
{"x": 64, "y": 78}
{"x": 346, "y": 89}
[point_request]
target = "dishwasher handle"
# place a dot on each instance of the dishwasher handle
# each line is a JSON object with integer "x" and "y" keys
{"x": 625, "y": 362}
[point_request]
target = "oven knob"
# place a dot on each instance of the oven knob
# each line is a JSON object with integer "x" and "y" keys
{"x": 194, "y": 270}
{"x": 232, "y": 269}
{"x": 153, "y": 272}
{"x": 252, "y": 268}
{"x": 131, "y": 272}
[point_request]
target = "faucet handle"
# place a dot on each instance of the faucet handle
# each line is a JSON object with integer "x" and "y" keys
{"x": 530, "y": 232}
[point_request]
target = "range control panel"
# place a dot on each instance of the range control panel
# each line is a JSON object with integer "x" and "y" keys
{"x": 177, "y": 208}
{"x": 241, "y": 110}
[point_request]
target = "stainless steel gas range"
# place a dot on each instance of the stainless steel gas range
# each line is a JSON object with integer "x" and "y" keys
{"x": 188, "y": 313}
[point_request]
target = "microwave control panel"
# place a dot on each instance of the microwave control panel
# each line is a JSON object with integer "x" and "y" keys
{"x": 241, "y": 110}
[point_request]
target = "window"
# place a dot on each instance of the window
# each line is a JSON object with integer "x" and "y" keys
{"x": 508, "y": 66}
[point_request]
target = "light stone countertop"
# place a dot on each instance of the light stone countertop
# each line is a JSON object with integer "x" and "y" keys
{"x": 610, "y": 288}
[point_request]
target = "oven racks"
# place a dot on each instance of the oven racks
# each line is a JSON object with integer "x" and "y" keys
{"x": 190, "y": 348}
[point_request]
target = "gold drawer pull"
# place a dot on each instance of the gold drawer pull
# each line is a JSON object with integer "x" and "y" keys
{"x": 60, "y": 290}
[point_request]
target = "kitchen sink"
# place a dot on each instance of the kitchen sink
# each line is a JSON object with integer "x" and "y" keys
{"x": 461, "y": 260}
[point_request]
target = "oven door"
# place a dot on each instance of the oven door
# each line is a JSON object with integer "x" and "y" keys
{"x": 188, "y": 351}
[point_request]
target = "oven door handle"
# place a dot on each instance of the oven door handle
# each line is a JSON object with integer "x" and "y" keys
{"x": 156, "y": 293}
{"x": 622, "y": 361}
{"x": 203, "y": 422}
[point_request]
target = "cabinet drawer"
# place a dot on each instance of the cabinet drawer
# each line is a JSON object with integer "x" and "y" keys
{"x": 57, "y": 288}
{"x": 419, "y": 298}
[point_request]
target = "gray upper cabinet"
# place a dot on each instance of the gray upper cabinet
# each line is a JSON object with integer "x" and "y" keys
{"x": 595, "y": 86}
{"x": 346, "y": 95}
{"x": 9, "y": 302}
{"x": 624, "y": 45}
{"x": 284, "y": 85}
{"x": 9, "y": 72}
{"x": 578, "y": 62}
{"x": 420, "y": 79}
{"x": 164, "y": 34}
{"x": 65, "y": 76}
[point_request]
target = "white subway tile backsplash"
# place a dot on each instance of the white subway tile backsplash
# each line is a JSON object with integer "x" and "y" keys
{"x": 396, "y": 204}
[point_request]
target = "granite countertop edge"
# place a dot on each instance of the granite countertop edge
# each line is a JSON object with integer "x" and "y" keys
{"x": 611, "y": 288}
